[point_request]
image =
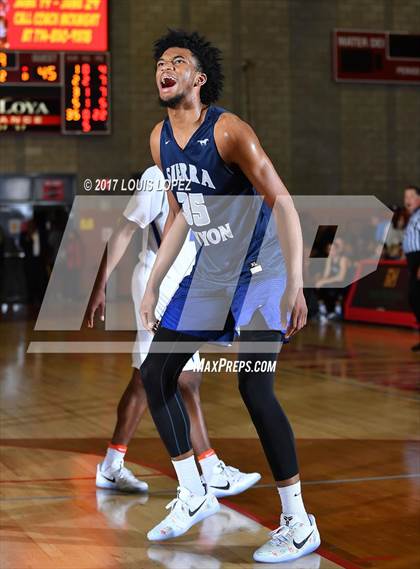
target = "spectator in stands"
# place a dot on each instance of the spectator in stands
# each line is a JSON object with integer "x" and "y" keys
{"x": 330, "y": 296}
{"x": 34, "y": 265}
{"x": 374, "y": 245}
{"x": 394, "y": 238}
{"x": 309, "y": 292}
{"x": 411, "y": 248}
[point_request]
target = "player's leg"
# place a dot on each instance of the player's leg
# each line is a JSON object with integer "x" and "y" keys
{"x": 221, "y": 479}
{"x": 189, "y": 385}
{"x": 130, "y": 410}
{"x": 257, "y": 391}
{"x": 111, "y": 472}
{"x": 277, "y": 439}
{"x": 160, "y": 373}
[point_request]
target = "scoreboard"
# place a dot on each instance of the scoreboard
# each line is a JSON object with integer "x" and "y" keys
{"x": 376, "y": 57}
{"x": 62, "y": 92}
{"x": 54, "y": 67}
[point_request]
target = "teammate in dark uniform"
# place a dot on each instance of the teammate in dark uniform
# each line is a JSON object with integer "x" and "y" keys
{"x": 227, "y": 189}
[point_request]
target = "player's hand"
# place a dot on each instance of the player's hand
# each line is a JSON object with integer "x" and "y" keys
{"x": 293, "y": 302}
{"x": 147, "y": 309}
{"x": 97, "y": 302}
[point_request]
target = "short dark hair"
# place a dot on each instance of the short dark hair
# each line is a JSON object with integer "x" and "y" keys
{"x": 208, "y": 56}
{"x": 413, "y": 187}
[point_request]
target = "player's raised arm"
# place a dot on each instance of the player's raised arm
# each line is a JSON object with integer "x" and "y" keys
{"x": 238, "y": 144}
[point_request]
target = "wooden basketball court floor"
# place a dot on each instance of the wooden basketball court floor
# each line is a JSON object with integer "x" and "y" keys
{"x": 349, "y": 391}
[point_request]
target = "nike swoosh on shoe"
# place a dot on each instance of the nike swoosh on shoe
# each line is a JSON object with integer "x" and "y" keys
{"x": 196, "y": 510}
{"x": 109, "y": 479}
{"x": 226, "y": 487}
{"x": 302, "y": 543}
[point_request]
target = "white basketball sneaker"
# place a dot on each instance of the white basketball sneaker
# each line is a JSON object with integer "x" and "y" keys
{"x": 229, "y": 481}
{"x": 293, "y": 539}
{"x": 187, "y": 509}
{"x": 119, "y": 478}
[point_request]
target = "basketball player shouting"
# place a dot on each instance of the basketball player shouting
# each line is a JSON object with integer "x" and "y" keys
{"x": 216, "y": 166}
{"x": 148, "y": 208}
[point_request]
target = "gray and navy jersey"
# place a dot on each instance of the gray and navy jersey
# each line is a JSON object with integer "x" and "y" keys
{"x": 228, "y": 218}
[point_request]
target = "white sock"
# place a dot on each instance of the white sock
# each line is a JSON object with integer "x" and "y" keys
{"x": 291, "y": 500}
{"x": 188, "y": 475}
{"x": 114, "y": 457}
{"x": 207, "y": 462}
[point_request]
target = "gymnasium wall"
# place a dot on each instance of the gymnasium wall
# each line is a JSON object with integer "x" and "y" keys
{"x": 323, "y": 137}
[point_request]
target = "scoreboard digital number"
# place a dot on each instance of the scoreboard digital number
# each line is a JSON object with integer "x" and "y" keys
{"x": 62, "y": 92}
{"x": 376, "y": 57}
{"x": 86, "y": 94}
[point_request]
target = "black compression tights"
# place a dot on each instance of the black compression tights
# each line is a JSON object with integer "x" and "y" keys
{"x": 160, "y": 372}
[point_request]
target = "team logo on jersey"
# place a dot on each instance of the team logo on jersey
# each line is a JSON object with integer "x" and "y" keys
{"x": 203, "y": 142}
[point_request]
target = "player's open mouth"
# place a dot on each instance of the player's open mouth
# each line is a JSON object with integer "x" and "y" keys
{"x": 167, "y": 82}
